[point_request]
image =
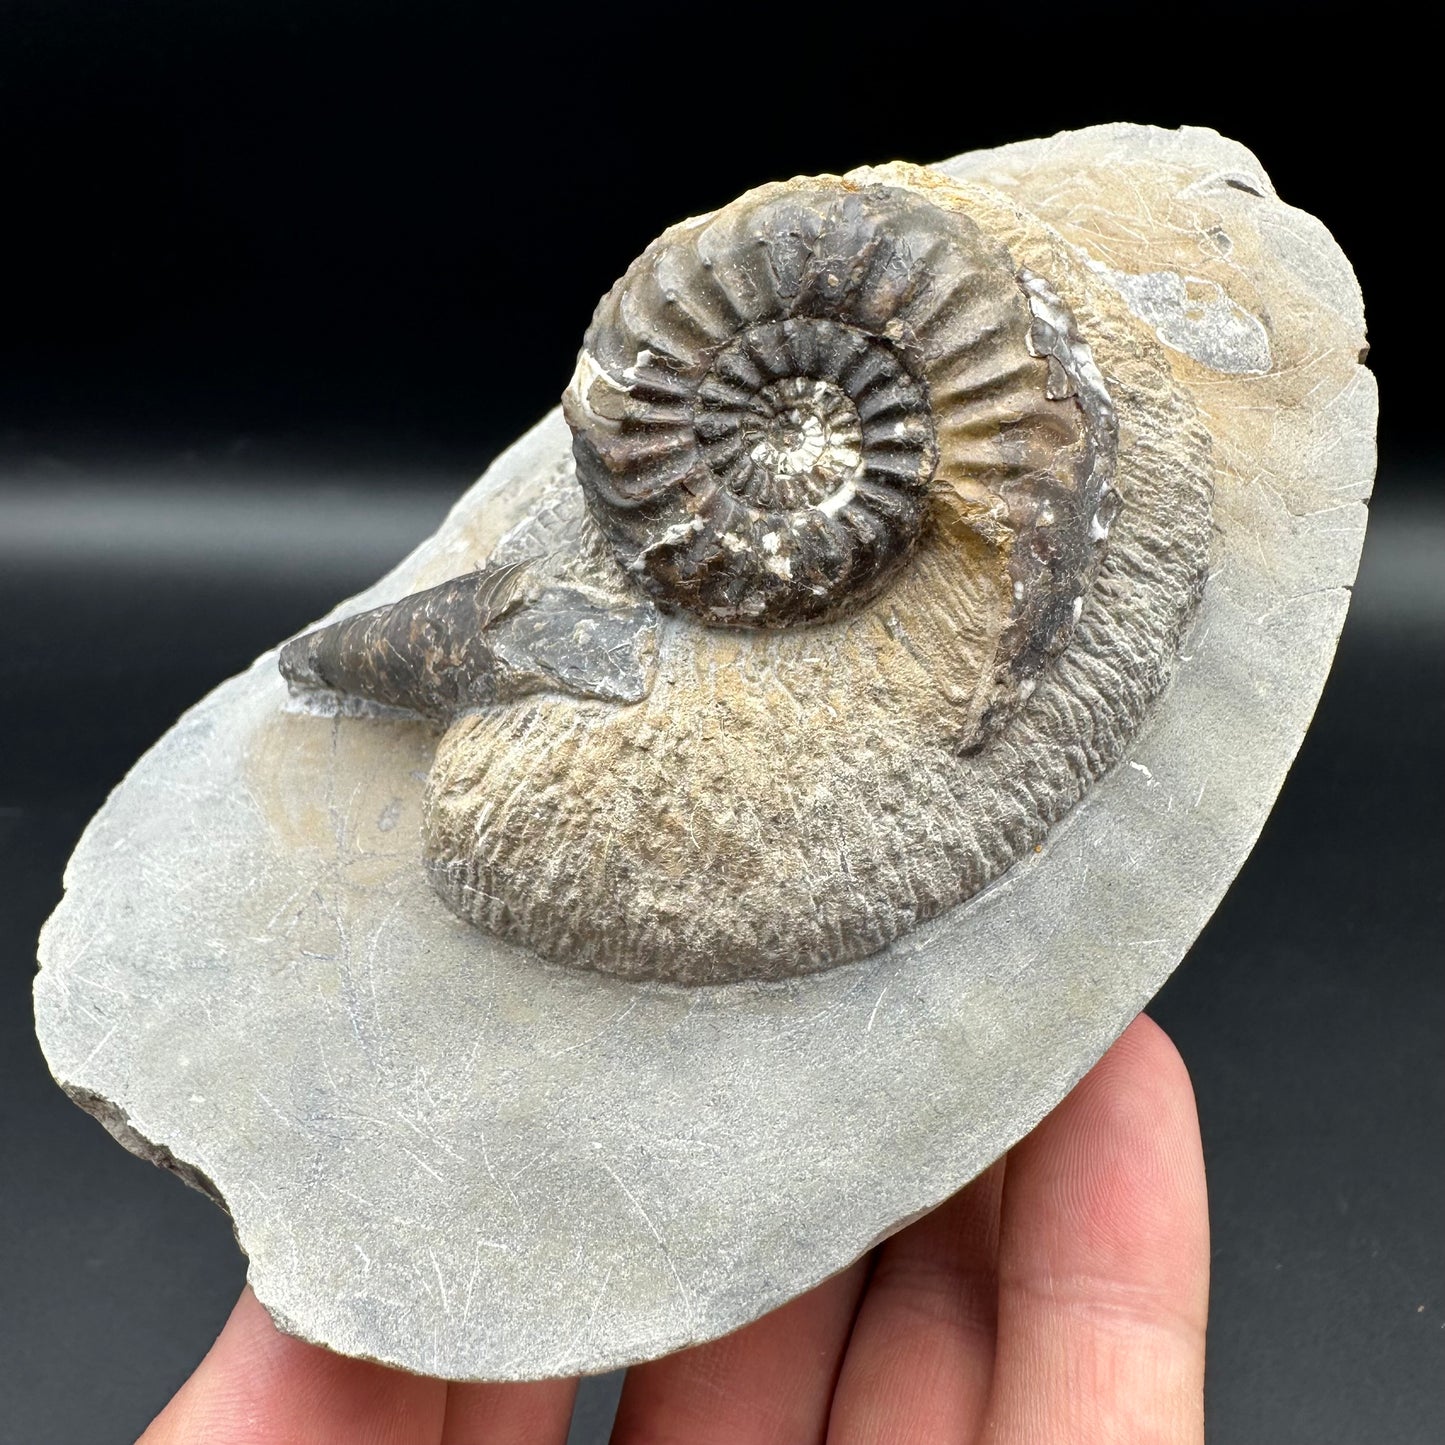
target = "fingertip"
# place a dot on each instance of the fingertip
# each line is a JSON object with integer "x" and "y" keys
{"x": 1144, "y": 1055}
{"x": 1121, "y": 1157}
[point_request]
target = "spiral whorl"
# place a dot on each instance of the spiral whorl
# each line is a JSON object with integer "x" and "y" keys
{"x": 764, "y": 400}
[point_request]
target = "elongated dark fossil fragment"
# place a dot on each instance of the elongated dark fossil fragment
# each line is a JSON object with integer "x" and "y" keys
{"x": 485, "y": 638}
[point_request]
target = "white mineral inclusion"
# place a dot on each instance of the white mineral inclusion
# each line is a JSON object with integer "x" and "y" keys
{"x": 815, "y": 437}
{"x": 1197, "y": 317}
{"x": 442, "y": 1154}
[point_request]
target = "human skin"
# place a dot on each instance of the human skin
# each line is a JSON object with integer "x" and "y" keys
{"x": 1060, "y": 1299}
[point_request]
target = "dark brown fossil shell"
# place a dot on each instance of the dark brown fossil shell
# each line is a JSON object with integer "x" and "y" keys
{"x": 765, "y": 402}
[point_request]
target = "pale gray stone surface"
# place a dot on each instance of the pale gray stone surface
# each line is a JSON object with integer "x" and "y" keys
{"x": 441, "y": 1153}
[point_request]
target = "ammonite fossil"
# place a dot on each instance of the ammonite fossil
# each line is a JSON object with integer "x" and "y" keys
{"x": 767, "y": 401}
{"x": 883, "y": 528}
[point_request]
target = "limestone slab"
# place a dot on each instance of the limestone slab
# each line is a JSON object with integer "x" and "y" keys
{"x": 442, "y": 1153}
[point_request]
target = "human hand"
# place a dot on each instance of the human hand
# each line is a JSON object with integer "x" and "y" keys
{"x": 1059, "y": 1299}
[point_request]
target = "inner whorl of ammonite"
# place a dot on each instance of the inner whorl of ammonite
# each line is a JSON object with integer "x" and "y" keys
{"x": 804, "y": 443}
{"x": 805, "y": 412}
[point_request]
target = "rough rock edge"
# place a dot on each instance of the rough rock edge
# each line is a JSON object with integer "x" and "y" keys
{"x": 116, "y": 1122}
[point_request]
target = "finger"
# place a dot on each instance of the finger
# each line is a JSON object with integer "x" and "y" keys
{"x": 260, "y": 1387}
{"x": 770, "y": 1382}
{"x": 536, "y": 1414}
{"x": 1104, "y": 1260}
{"x": 920, "y": 1358}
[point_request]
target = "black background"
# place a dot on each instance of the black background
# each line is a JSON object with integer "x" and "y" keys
{"x": 281, "y": 278}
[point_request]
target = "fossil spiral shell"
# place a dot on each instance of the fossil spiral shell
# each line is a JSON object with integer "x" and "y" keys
{"x": 766, "y": 401}
{"x": 883, "y": 521}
